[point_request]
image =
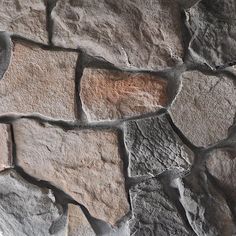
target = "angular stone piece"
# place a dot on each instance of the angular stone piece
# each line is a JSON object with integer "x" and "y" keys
{"x": 84, "y": 163}
{"x": 24, "y": 18}
{"x": 108, "y": 95}
{"x": 130, "y": 34}
{"x": 212, "y": 26}
{"x": 205, "y": 107}
{"x": 5, "y": 147}
{"x": 153, "y": 212}
{"x": 39, "y": 81}
{"x": 78, "y": 223}
{"x": 153, "y": 147}
{"x": 26, "y": 209}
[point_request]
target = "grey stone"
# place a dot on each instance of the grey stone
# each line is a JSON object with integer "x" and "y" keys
{"x": 153, "y": 212}
{"x": 153, "y": 147}
{"x": 130, "y": 34}
{"x": 211, "y": 24}
{"x": 26, "y": 209}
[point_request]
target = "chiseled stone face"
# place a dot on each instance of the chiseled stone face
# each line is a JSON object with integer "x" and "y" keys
{"x": 26, "y": 209}
{"x": 84, "y": 163}
{"x": 5, "y": 147}
{"x": 39, "y": 81}
{"x": 24, "y": 18}
{"x": 205, "y": 107}
{"x": 153, "y": 147}
{"x": 130, "y": 34}
{"x": 111, "y": 95}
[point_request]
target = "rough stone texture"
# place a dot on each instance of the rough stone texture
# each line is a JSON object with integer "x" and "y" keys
{"x": 26, "y": 209}
{"x": 39, "y": 81}
{"x": 212, "y": 26}
{"x": 84, "y": 163}
{"x": 206, "y": 209}
{"x": 5, "y": 147}
{"x": 153, "y": 147}
{"x": 78, "y": 224}
{"x": 24, "y": 18}
{"x": 205, "y": 107}
{"x": 153, "y": 212}
{"x": 108, "y": 95}
{"x": 129, "y": 34}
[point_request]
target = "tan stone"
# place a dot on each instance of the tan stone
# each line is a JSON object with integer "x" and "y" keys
{"x": 109, "y": 94}
{"x": 78, "y": 223}
{"x": 84, "y": 163}
{"x": 25, "y": 18}
{"x": 5, "y": 147}
{"x": 39, "y": 81}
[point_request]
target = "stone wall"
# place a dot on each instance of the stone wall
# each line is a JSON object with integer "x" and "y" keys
{"x": 117, "y": 118}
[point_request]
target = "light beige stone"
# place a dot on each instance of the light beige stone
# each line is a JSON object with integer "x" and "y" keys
{"x": 39, "y": 81}
{"x": 109, "y": 94}
{"x": 78, "y": 223}
{"x": 84, "y": 163}
{"x": 205, "y": 107}
{"x": 5, "y": 147}
{"x": 24, "y": 18}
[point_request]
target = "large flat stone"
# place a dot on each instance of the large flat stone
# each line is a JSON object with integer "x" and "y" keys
{"x": 109, "y": 95}
{"x": 39, "y": 81}
{"x": 153, "y": 147}
{"x": 84, "y": 163}
{"x": 129, "y": 34}
{"x": 24, "y": 18}
{"x": 26, "y": 209}
{"x": 205, "y": 107}
{"x": 212, "y": 26}
{"x": 153, "y": 212}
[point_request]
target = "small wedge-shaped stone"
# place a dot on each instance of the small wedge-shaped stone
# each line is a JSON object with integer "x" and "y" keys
{"x": 109, "y": 95}
{"x": 127, "y": 33}
{"x": 39, "y": 81}
{"x": 205, "y": 107}
{"x": 5, "y": 147}
{"x": 24, "y": 18}
{"x": 153, "y": 212}
{"x": 153, "y": 147}
{"x": 212, "y": 26}
{"x": 26, "y": 209}
{"x": 84, "y": 163}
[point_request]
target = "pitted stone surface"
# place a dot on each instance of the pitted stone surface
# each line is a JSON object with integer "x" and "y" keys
{"x": 39, "y": 81}
{"x": 77, "y": 222}
{"x": 205, "y": 107}
{"x": 84, "y": 163}
{"x": 26, "y": 209}
{"x": 153, "y": 147}
{"x": 212, "y": 26}
{"x": 111, "y": 95}
{"x": 129, "y": 34}
{"x": 5, "y": 147}
{"x": 153, "y": 212}
{"x": 24, "y": 18}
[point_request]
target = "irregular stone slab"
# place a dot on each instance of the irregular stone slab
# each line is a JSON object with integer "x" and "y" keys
{"x": 153, "y": 212}
{"x": 206, "y": 209}
{"x": 205, "y": 107}
{"x": 5, "y": 147}
{"x": 39, "y": 81}
{"x": 84, "y": 163}
{"x": 129, "y": 34}
{"x": 109, "y": 95}
{"x": 212, "y": 26}
{"x": 24, "y": 18}
{"x": 78, "y": 223}
{"x": 153, "y": 147}
{"x": 26, "y": 209}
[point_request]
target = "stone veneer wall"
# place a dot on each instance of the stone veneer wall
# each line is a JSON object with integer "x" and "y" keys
{"x": 117, "y": 117}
